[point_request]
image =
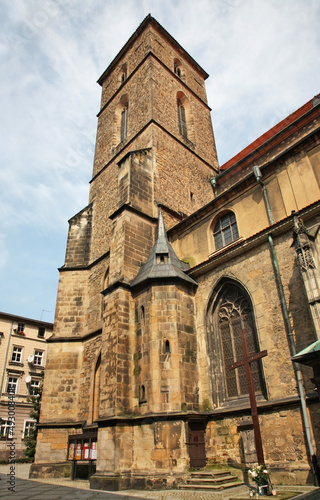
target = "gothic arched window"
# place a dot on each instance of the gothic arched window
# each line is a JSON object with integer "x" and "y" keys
{"x": 123, "y": 74}
{"x": 178, "y": 69}
{"x": 233, "y": 314}
{"x": 182, "y": 119}
{"x": 225, "y": 230}
{"x": 120, "y": 124}
{"x": 124, "y": 123}
{"x": 229, "y": 313}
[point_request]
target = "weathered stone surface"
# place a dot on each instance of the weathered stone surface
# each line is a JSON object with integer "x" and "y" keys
{"x": 142, "y": 361}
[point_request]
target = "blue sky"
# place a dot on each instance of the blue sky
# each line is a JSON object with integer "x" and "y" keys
{"x": 263, "y": 60}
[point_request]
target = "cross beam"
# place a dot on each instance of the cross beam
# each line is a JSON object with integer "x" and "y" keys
{"x": 246, "y": 362}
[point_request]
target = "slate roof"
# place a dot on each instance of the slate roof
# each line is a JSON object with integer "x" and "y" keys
{"x": 162, "y": 262}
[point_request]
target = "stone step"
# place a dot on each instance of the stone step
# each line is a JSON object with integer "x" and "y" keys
{"x": 209, "y": 486}
{"x": 210, "y": 473}
{"x": 211, "y": 479}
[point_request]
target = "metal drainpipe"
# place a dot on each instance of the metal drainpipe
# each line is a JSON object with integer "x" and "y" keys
{"x": 213, "y": 182}
{"x": 5, "y": 359}
{"x": 292, "y": 347}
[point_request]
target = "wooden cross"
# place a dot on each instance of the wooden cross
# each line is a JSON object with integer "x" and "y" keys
{"x": 246, "y": 362}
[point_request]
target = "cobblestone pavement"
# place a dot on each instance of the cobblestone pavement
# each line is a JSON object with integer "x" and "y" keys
{"x": 65, "y": 489}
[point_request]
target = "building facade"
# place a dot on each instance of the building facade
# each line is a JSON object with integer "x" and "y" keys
{"x": 22, "y": 361}
{"x": 173, "y": 261}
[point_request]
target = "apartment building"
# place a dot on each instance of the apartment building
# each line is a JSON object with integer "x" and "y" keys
{"x": 22, "y": 360}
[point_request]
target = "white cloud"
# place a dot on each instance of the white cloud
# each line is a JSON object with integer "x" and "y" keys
{"x": 263, "y": 61}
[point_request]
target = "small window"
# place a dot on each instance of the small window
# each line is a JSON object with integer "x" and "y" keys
{"x": 167, "y": 347}
{"x": 142, "y": 314}
{"x": 12, "y": 386}
{"x": 162, "y": 259}
{"x": 41, "y": 332}
{"x": 142, "y": 398}
{"x": 124, "y": 123}
{"x": 177, "y": 69}
{"x": 123, "y": 74}
{"x": 16, "y": 354}
{"x": 182, "y": 119}
{"x": 34, "y": 387}
{"x": 38, "y": 358}
{"x": 225, "y": 230}
{"x": 29, "y": 426}
{"x": 165, "y": 394}
{"x": 6, "y": 428}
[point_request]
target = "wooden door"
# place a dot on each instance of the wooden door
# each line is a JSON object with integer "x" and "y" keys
{"x": 197, "y": 450}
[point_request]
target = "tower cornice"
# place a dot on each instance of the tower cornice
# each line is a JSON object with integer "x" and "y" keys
{"x": 150, "y": 122}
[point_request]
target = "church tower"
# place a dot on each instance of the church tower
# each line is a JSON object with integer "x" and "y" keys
{"x": 121, "y": 373}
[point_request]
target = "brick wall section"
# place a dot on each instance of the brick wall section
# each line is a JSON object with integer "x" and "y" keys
{"x": 224, "y": 446}
{"x": 116, "y": 359}
{"x": 170, "y": 379}
{"x": 91, "y": 351}
{"x": 54, "y": 446}
{"x": 136, "y": 181}
{"x": 79, "y": 239}
{"x": 62, "y": 383}
{"x": 71, "y": 308}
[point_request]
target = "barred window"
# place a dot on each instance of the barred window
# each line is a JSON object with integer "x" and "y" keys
{"x": 225, "y": 230}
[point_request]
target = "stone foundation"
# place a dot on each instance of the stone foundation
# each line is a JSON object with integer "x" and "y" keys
{"x": 62, "y": 469}
{"x": 138, "y": 482}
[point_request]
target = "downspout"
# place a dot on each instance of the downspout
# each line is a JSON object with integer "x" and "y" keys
{"x": 213, "y": 182}
{"x": 285, "y": 313}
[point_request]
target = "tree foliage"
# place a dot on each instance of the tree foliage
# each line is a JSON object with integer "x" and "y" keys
{"x": 30, "y": 441}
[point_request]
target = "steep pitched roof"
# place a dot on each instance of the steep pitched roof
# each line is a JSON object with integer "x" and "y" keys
{"x": 162, "y": 262}
{"x": 151, "y": 20}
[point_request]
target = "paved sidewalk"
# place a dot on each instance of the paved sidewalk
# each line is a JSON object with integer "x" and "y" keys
{"x": 65, "y": 489}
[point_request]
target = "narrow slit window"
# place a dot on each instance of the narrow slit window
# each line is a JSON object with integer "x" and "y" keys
{"x": 124, "y": 123}
{"x": 182, "y": 119}
{"x": 167, "y": 347}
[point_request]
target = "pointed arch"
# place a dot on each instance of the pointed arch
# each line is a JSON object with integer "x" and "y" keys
{"x": 185, "y": 117}
{"x": 120, "y": 128}
{"x": 123, "y": 74}
{"x": 178, "y": 69}
{"x": 229, "y": 312}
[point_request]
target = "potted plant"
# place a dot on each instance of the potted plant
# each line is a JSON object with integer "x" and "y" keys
{"x": 260, "y": 475}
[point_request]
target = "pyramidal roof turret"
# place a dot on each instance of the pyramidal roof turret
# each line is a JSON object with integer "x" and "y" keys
{"x": 149, "y": 20}
{"x": 162, "y": 262}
